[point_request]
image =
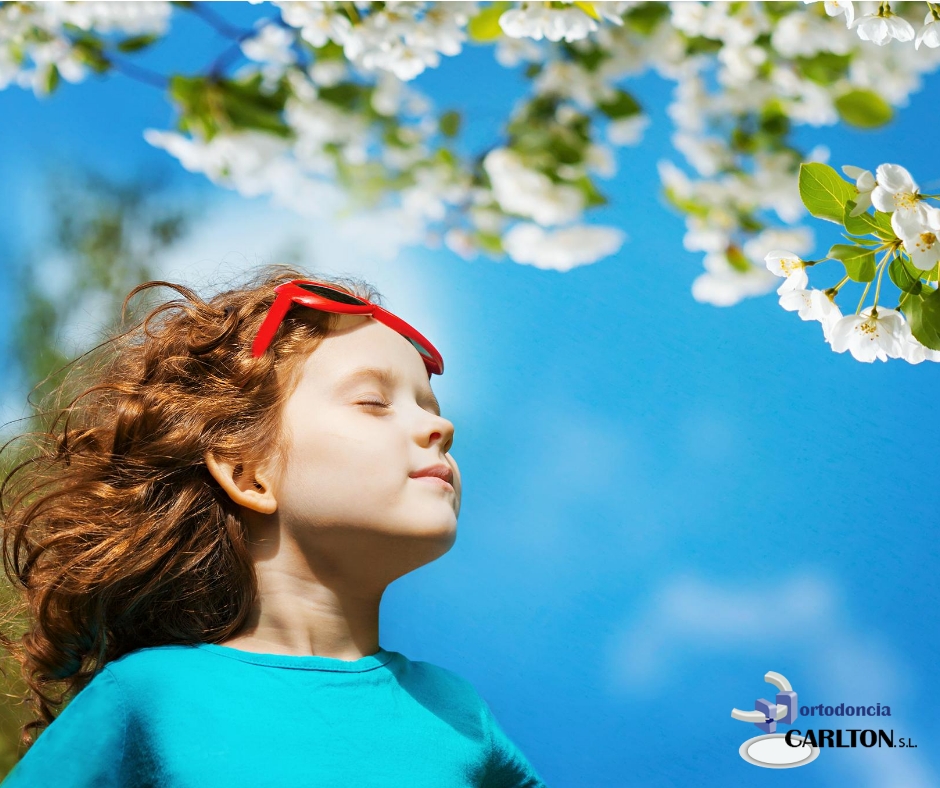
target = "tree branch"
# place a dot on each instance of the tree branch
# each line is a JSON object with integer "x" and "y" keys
{"x": 215, "y": 21}
{"x": 139, "y": 73}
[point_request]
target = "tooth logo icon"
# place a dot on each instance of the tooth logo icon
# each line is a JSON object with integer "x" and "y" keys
{"x": 770, "y": 750}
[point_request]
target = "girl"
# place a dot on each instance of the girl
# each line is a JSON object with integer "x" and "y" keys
{"x": 203, "y": 549}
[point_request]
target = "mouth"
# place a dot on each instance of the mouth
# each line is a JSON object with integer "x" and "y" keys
{"x": 441, "y": 472}
{"x": 435, "y": 481}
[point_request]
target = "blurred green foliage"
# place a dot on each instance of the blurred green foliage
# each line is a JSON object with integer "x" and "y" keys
{"x": 102, "y": 240}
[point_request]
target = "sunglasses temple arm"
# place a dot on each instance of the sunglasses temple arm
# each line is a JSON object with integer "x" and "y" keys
{"x": 270, "y": 324}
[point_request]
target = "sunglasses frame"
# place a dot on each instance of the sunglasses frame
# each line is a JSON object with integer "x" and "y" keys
{"x": 290, "y": 293}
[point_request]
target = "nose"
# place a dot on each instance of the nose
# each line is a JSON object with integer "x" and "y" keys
{"x": 440, "y": 430}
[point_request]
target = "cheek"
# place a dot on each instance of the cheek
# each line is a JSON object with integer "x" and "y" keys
{"x": 344, "y": 463}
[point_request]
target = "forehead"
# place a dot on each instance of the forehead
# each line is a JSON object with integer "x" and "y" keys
{"x": 360, "y": 350}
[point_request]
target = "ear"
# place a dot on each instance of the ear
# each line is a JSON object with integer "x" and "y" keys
{"x": 246, "y": 488}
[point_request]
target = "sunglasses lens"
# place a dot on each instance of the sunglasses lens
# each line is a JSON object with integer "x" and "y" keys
{"x": 330, "y": 293}
{"x": 421, "y": 349}
{"x": 347, "y": 298}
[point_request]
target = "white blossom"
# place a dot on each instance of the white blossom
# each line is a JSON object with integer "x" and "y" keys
{"x": 837, "y": 8}
{"x": 896, "y": 193}
{"x": 600, "y": 159}
{"x": 328, "y": 72}
{"x": 536, "y": 20}
{"x": 713, "y": 20}
{"x": 881, "y": 29}
{"x": 812, "y": 305}
{"x": 56, "y": 53}
{"x": 530, "y": 193}
{"x": 921, "y": 237}
{"x": 138, "y": 18}
{"x": 460, "y": 242}
{"x": 510, "y": 52}
{"x": 627, "y": 131}
{"x": 563, "y": 249}
{"x": 243, "y": 159}
{"x": 913, "y": 351}
{"x": 795, "y": 281}
{"x": 929, "y": 34}
{"x": 724, "y": 285}
{"x": 395, "y": 39}
{"x": 798, "y": 240}
{"x": 271, "y": 44}
{"x": 783, "y": 263}
{"x": 318, "y": 22}
{"x": 864, "y": 182}
{"x": 875, "y": 333}
{"x": 740, "y": 63}
{"x": 800, "y": 34}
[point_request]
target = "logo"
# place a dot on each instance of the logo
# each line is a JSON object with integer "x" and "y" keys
{"x": 774, "y": 750}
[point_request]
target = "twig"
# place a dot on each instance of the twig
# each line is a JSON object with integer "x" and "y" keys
{"x": 214, "y": 20}
{"x": 139, "y": 73}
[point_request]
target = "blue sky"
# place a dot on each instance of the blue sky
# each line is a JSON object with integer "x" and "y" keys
{"x": 663, "y": 500}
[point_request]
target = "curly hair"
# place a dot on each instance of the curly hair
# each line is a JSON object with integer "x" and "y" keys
{"x": 118, "y": 537}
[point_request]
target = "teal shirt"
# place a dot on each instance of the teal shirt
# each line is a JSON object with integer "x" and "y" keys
{"x": 212, "y": 715}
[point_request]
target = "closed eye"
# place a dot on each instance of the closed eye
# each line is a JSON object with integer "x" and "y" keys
{"x": 375, "y": 404}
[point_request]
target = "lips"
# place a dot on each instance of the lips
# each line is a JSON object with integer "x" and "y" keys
{"x": 439, "y": 471}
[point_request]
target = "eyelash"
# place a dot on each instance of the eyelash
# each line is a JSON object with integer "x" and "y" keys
{"x": 376, "y": 404}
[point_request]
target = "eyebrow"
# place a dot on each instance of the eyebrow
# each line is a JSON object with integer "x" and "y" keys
{"x": 387, "y": 377}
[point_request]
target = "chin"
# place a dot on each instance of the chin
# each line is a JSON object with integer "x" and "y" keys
{"x": 437, "y": 527}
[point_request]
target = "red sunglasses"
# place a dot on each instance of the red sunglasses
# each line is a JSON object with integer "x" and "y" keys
{"x": 326, "y": 298}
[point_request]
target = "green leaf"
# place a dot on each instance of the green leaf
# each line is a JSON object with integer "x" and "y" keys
{"x": 189, "y": 93}
{"x": 861, "y": 241}
{"x": 485, "y": 25}
{"x": 644, "y": 18}
{"x": 623, "y": 105}
{"x": 864, "y": 109}
{"x": 136, "y": 43}
{"x": 824, "y": 192}
{"x": 343, "y": 94}
{"x": 247, "y": 107}
{"x": 592, "y": 197}
{"x": 859, "y": 263}
{"x": 702, "y": 45}
{"x": 863, "y": 224}
{"x": 905, "y": 276}
{"x": 742, "y": 141}
{"x": 923, "y": 313}
{"x": 588, "y": 54}
{"x": 930, "y": 274}
{"x": 329, "y": 51}
{"x": 773, "y": 120}
{"x": 737, "y": 259}
{"x": 489, "y": 242}
{"x": 449, "y": 123}
{"x": 89, "y": 52}
{"x": 588, "y": 9}
{"x": 824, "y": 68}
{"x": 866, "y": 224}
{"x": 52, "y": 79}
{"x": 444, "y": 156}
{"x": 685, "y": 204}
{"x": 884, "y": 229}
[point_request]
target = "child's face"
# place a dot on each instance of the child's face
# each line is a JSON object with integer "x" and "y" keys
{"x": 346, "y": 490}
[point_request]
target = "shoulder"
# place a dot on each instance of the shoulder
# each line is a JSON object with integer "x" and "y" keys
{"x": 153, "y": 657}
{"x": 443, "y": 680}
{"x": 141, "y": 670}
